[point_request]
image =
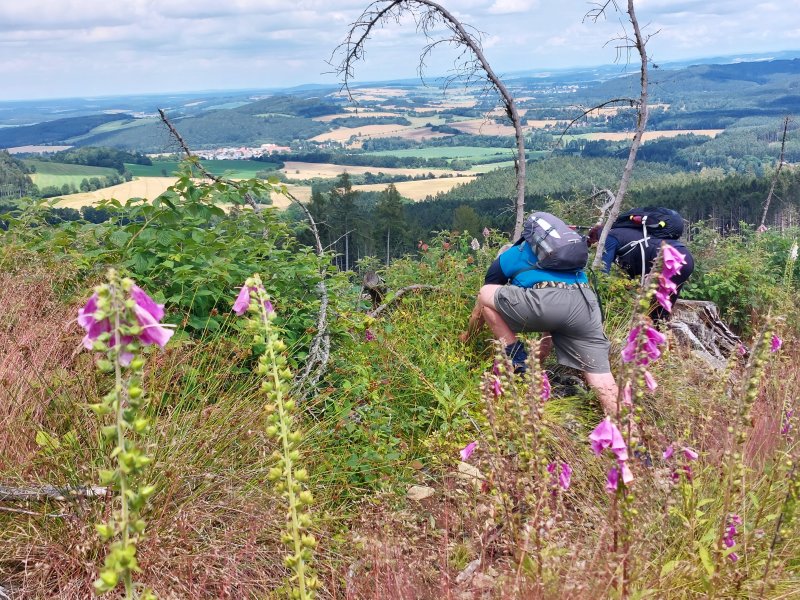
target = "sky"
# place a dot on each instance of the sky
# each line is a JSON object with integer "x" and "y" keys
{"x": 85, "y": 48}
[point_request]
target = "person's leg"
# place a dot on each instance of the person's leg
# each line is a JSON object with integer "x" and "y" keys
{"x": 605, "y": 386}
{"x": 499, "y": 328}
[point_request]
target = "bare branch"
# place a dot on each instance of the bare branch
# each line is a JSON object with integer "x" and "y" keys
{"x": 771, "y": 193}
{"x": 49, "y": 492}
{"x": 196, "y": 160}
{"x": 400, "y": 293}
{"x": 427, "y": 14}
{"x": 631, "y": 102}
{"x": 641, "y": 124}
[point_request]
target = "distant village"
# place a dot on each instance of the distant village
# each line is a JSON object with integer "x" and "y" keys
{"x": 241, "y": 152}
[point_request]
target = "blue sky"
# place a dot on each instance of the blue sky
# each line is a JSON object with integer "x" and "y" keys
{"x": 62, "y": 48}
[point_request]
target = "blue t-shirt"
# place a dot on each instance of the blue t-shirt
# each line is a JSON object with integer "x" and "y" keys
{"x": 518, "y": 266}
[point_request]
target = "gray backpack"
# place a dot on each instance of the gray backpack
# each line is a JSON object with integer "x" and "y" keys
{"x": 556, "y": 245}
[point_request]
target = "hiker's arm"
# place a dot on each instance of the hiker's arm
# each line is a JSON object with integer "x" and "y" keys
{"x": 494, "y": 275}
{"x": 610, "y": 252}
{"x": 476, "y": 322}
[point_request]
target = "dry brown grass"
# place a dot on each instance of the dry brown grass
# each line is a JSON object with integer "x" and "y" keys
{"x": 39, "y": 341}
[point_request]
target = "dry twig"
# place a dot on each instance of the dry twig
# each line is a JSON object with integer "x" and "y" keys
{"x": 469, "y": 65}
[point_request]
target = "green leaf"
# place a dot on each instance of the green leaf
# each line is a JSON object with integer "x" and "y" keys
{"x": 705, "y": 558}
{"x": 119, "y": 238}
{"x": 668, "y": 567}
{"x": 45, "y": 440}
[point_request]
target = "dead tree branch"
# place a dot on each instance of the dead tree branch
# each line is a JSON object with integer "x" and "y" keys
{"x": 319, "y": 351}
{"x": 49, "y": 492}
{"x": 639, "y": 42}
{"x": 400, "y": 293}
{"x": 631, "y": 102}
{"x": 771, "y": 194}
{"x": 196, "y": 160}
{"x": 470, "y": 63}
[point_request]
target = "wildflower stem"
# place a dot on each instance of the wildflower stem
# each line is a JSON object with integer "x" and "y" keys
{"x": 118, "y": 306}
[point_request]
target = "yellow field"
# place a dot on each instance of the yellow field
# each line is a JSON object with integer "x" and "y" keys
{"x": 302, "y": 170}
{"x": 345, "y": 133}
{"x": 418, "y": 190}
{"x": 650, "y": 135}
{"x": 150, "y": 188}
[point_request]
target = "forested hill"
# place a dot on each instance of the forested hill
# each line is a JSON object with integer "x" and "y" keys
{"x": 558, "y": 175}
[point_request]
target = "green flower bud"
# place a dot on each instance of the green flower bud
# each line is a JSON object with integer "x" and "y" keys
{"x": 305, "y": 497}
{"x": 134, "y": 391}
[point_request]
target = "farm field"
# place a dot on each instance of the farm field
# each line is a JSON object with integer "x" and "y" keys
{"x": 378, "y": 131}
{"x": 152, "y": 187}
{"x": 303, "y": 170}
{"x": 460, "y": 152}
{"x": 419, "y": 190}
{"x": 649, "y": 135}
{"x": 57, "y": 174}
{"x": 233, "y": 169}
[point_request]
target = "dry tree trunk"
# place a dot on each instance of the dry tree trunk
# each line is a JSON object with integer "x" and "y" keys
{"x": 768, "y": 201}
{"x": 639, "y": 42}
{"x": 427, "y": 14}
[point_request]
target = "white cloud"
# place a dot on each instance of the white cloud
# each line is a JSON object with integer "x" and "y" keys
{"x": 66, "y": 47}
{"x": 507, "y": 7}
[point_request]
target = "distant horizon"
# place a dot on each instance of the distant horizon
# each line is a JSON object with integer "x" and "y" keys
{"x": 708, "y": 59}
{"x": 56, "y": 50}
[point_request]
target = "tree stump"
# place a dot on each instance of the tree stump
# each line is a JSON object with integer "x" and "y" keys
{"x": 696, "y": 325}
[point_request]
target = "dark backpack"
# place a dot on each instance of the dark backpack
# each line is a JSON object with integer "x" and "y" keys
{"x": 557, "y": 247}
{"x": 655, "y": 221}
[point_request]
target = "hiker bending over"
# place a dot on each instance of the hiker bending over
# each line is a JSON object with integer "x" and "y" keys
{"x": 633, "y": 243}
{"x": 521, "y": 295}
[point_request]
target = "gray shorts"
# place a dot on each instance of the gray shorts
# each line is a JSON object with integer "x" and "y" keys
{"x": 571, "y": 315}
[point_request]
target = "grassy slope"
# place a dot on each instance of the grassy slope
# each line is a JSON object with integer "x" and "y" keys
{"x": 50, "y": 173}
{"x": 392, "y": 412}
{"x": 234, "y": 169}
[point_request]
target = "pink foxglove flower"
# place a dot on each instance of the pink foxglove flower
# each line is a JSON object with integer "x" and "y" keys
{"x": 775, "y": 344}
{"x": 664, "y": 292}
{"x": 627, "y": 395}
{"x": 148, "y": 316}
{"x": 545, "y": 386}
{"x": 729, "y": 538}
{"x": 467, "y": 451}
{"x": 689, "y": 453}
{"x": 673, "y": 261}
{"x": 486, "y": 232}
{"x": 612, "y": 479}
{"x": 650, "y": 381}
{"x": 741, "y": 350}
{"x": 625, "y": 471}
{"x": 650, "y": 351}
{"x": 497, "y": 388}
{"x": 369, "y": 336}
{"x": 606, "y": 435}
{"x": 93, "y": 327}
{"x": 668, "y": 452}
{"x": 787, "y": 422}
{"x": 242, "y": 302}
{"x": 565, "y": 477}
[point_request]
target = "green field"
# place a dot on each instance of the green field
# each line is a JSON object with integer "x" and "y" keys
{"x": 233, "y": 169}
{"x": 462, "y": 152}
{"x": 57, "y": 174}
